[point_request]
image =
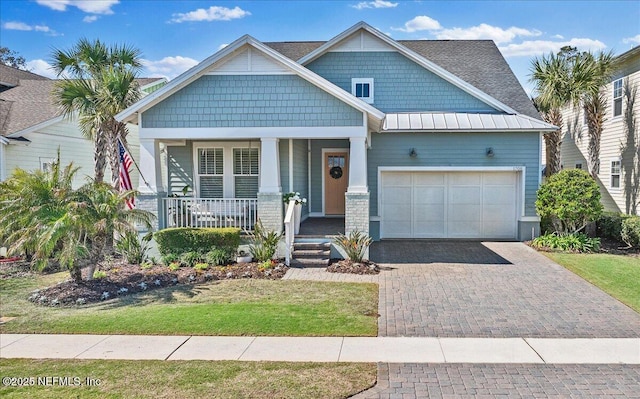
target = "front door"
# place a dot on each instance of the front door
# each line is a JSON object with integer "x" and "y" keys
{"x": 336, "y": 181}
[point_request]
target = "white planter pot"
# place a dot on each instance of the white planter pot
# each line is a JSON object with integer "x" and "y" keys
{"x": 244, "y": 259}
{"x": 297, "y": 214}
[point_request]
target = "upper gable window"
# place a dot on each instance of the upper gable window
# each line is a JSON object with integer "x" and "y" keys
{"x": 617, "y": 97}
{"x": 363, "y": 89}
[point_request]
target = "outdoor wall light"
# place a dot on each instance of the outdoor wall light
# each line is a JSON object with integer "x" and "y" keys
{"x": 413, "y": 153}
{"x": 490, "y": 152}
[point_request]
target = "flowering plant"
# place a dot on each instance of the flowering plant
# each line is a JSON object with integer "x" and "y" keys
{"x": 294, "y": 196}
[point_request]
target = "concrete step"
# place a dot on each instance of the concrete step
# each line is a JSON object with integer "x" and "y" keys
{"x": 303, "y": 253}
{"x": 310, "y": 262}
{"x": 304, "y": 245}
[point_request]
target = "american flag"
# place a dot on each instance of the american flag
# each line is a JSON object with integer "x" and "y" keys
{"x": 125, "y": 179}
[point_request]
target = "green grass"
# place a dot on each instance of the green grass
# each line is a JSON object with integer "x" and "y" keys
{"x": 617, "y": 275}
{"x": 236, "y": 307}
{"x": 189, "y": 379}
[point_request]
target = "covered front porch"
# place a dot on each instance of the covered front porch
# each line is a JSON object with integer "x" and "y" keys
{"x": 223, "y": 183}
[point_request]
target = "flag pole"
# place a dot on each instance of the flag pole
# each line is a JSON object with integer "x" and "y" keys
{"x": 135, "y": 164}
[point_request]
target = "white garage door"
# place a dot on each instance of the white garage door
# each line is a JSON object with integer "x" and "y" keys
{"x": 448, "y": 205}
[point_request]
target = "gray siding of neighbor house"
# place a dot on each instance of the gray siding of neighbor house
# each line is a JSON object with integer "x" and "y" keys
{"x": 250, "y": 101}
{"x": 400, "y": 85}
{"x": 317, "y": 167}
{"x": 456, "y": 149}
{"x": 180, "y": 168}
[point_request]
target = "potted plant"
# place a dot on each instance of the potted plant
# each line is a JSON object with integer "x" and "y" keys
{"x": 297, "y": 210}
{"x": 243, "y": 257}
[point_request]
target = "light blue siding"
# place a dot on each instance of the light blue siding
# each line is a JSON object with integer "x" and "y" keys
{"x": 316, "y": 169}
{"x": 300, "y": 171}
{"x": 250, "y": 101}
{"x": 456, "y": 149}
{"x": 284, "y": 165}
{"x": 400, "y": 85}
{"x": 180, "y": 168}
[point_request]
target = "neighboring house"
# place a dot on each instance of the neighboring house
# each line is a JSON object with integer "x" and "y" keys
{"x": 619, "y": 174}
{"x": 32, "y": 129}
{"x": 405, "y": 139}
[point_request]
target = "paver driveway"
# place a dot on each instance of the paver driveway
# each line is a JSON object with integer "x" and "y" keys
{"x": 494, "y": 289}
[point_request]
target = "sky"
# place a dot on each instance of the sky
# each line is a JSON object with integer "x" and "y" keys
{"x": 175, "y": 35}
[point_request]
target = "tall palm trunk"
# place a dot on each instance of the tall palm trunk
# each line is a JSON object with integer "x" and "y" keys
{"x": 594, "y": 109}
{"x": 100, "y": 156}
{"x": 553, "y": 141}
{"x": 631, "y": 151}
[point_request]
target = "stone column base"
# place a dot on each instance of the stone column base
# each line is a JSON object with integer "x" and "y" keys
{"x": 153, "y": 204}
{"x": 270, "y": 211}
{"x": 356, "y": 212}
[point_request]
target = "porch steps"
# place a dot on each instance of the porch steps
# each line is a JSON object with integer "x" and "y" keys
{"x": 311, "y": 252}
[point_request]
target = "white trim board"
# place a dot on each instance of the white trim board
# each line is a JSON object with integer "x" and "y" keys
{"x": 225, "y": 133}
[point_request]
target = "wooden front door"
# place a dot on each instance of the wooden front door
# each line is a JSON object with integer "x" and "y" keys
{"x": 336, "y": 181}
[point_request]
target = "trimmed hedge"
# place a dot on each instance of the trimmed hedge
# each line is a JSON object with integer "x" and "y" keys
{"x": 202, "y": 240}
{"x": 631, "y": 231}
{"x": 609, "y": 225}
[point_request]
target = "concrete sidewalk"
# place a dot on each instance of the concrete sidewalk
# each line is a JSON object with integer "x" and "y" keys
{"x": 325, "y": 349}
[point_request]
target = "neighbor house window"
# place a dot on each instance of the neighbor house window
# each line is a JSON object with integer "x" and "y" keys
{"x": 210, "y": 172}
{"x": 578, "y": 166}
{"x": 363, "y": 89}
{"x": 615, "y": 174}
{"x": 245, "y": 171}
{"x": 46, "y": 164}
{"x": 617, "y": 97}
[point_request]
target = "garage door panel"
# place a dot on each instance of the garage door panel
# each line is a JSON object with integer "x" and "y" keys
{"x": 465, "y": 195}
{"x": 499, "y": 212}
{"x": 400, "y": 196}
{"x": 397, "y": 213}
{"x": 464, "y": 178}
{"x": 428, "y": 213}
{"x": 466, "y": 212}
{"x": 500, "y": 195}
{"x": 428, "y": 179}
{"x": 499, "y": 178}
{"x": 397, "y": 229}
{"x": 464, "y": 229}
{"x": 430, "y": 230}
{"x": 428, "y": 195}
{"x": 396, "y": 179}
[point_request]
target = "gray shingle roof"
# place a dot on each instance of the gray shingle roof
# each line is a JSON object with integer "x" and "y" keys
{"x": 11, "y": 76}
{"x": 478, "y": 62}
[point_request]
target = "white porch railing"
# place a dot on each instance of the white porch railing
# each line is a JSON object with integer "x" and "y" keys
{"x": 289, "y": 231}
{"x": 211, "y": 212}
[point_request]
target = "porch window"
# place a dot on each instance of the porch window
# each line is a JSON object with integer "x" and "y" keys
{"x": 245, "y": 172}
{"x": 210, "y": 172}
{"x": 615, "y": 174}
{"x": 617, "y": 97}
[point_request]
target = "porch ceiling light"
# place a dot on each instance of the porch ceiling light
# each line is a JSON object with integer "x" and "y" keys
{"x": 413, "y": 153}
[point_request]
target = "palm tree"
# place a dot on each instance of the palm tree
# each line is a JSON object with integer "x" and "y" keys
{"x": 596, "y": 73}
{"x": 552, "y": 78}
{"x": 100, "y": 83}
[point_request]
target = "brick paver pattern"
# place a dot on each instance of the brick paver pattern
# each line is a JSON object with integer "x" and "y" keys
{"x": 404, "y": 381}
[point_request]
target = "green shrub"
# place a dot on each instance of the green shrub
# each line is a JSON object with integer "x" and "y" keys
{"x": 202, "y": 240}
{"x": 191, "y": 258}
{"x": 201, "y": 266}
{"x": 218, "y": 257}
{"x": 630, "y": 233}
{"x": 354, "y": 245}
{"x": 173, "y": 266}
{"x": 571, "y": 199}
{"x": 576, "y": 242}
{"x": 169, "y": 258}
{"x": 133, "y": 249}
{"x": 609, "y": 225}
{"x": 98, "y": 274}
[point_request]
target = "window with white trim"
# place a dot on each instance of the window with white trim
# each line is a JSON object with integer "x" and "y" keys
{"x": 46, "y": 164}
{"x": 363, "y": 89}
{"x": 616, "y": 168}
{"x": 578, "y": 166}
{"x": 210, "y": 172}
{"x": 245, "y": 172}
{"x": 617, "y": 97}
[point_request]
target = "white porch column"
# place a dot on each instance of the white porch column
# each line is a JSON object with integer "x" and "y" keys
{"x": 150, "y": 197}
{"x": 270, "y": 191}
{"x": 270, "y": 166}
{"x": 150, "y": 167}
{"x": 358, "y": 165}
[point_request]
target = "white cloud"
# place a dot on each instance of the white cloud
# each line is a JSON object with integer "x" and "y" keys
{"x": 169, "y": 67}
{"x": 558, "y": 37}
{"x": 485, "y": 31}
{"x": 375, "y": 4}
{"x": 16, "y": 25}
{"x": 633, "y": 40}
{"x": 419, "y": 23}
{"x": 88, "y": 6}
{"x": 41, "y": 67}
{"x": 90, "y": 18}
{"x": 538, "y": 47}
{"x": 213, "y": 13}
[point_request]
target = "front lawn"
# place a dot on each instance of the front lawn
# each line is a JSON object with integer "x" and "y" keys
{"x": 233, "y": 307}
{"x": 617, "y": 275}
{"x": 187, "y": 379}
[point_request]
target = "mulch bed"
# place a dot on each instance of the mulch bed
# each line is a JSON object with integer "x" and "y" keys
{"x": 125, "y": 279}
{"x": 348, "y": 266}
{"x": 617, "y": 248}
